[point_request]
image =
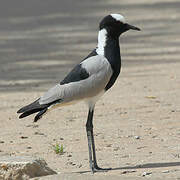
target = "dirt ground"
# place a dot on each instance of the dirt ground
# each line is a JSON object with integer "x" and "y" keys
{"x": 136, "y": 123}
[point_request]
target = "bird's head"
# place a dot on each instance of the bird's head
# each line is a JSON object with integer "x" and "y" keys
{"x": 115, "y": 25}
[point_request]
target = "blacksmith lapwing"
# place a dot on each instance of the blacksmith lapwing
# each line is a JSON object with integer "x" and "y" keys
{"x": 88, "y": 80}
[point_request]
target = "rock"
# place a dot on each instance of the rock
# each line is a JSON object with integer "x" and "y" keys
{"x": 128, "y": 171}
{"x": 24, "y": 137}
{"x": 69, "y": 155}
{"x": 137, "y": 137}
{"x": 165, "y": 171}
{"x": 146, "y": 173}
{"x": 39, "y": 133}
{"x": 23, "y": 167}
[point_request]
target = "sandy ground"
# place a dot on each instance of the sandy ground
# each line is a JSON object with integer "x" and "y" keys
{"x": 136, "y": 123}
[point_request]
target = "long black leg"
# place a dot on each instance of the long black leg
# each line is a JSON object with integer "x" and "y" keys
{"x": 91, "y": 144}
{"x": 94, "y": 149}
{"x": 89, "y": 127}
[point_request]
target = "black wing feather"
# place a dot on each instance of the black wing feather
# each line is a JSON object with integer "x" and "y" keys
{"x": 29, "y": 107}
{"x": 35, "y": 107}
{"x": 27, "y": 113}
{"x": 39, "y": 115}
{"x": 78, "y": 73}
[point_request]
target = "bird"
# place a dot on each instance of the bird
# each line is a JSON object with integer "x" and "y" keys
{"x": 88, "y": 80}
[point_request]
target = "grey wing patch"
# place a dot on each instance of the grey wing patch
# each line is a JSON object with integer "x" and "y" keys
{"x": 52, "y": 96}
{"x": 78, "y": 73}
{"x": 99, "y": 72}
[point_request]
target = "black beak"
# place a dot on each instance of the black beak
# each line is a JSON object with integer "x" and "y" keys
{"x": 132, "y": 27}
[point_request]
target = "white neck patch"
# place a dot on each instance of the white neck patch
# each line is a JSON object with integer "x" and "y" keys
{"x": 119, "y": 17}
{"x": 102, "y": 37}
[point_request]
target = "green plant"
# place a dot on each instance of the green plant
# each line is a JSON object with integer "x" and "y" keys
{"x": 59, "y": 149}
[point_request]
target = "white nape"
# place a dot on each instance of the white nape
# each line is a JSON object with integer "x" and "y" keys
{"x": 102, "y": 36}
{"x": 119, "y": 17}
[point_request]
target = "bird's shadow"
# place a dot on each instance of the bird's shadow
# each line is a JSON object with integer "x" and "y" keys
{"x": 142, "y": 166}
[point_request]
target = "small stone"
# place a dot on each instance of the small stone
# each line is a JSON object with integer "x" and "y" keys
{"x": 141, "y": 147}
{"x": 32, "y": 125}
{"x": 39, "y": 133}
{"x": 109, "y": 145}
{"x": 129, "y": 136}
{"x": 61, "y": 138}
{"x": 69, "y": 155}
{"x": 125, "y": 156}
{"x": 29, "y": 125}
{"x": 1, "y": 142}
{"x": 154, "y": 136}
{"x": 137, "y": 137}
{"x": 166, "y": 171}
{"x": 146, "y": 173}
{"x": 128, "y": 171}
{"x": 79, "y": 166}
{"x": 71, "y": 163}
{"x": 116, "y": 148}
{"x": 23, "y": 137}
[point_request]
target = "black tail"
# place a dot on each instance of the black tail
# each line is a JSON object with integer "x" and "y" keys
{"x": 33, "y": 108}
{"x": 39, "y": 115}
{"x": 36, "y": 107}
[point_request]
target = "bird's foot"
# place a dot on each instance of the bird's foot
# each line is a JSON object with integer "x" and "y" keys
{"x": 96, "y": 168}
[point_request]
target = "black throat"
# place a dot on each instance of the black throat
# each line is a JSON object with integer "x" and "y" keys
{"x": 112, "y": 53}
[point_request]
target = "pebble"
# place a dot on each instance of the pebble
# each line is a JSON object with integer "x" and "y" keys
{"x": 79, "y": 166}
{"x": 141, "y": 147}
{"x": 24, "y": 137}
{"x": 128, "y": 171}
{"x": 108, "y": 145}
{"x": 39, "y": 133}
{"x": 166, "y": 171}
{"x": 71, "y": 163}
{"x": 116, "y": 148}
{"x": 146, "y": 173}
{"x": 125, "y": 156}
{"x": 35, "y": 126}
{"x": 137, "y": 137}
{"x": 32, "y": 125}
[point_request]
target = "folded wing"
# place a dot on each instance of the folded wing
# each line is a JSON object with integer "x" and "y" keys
{"x": 86, "y": 80}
